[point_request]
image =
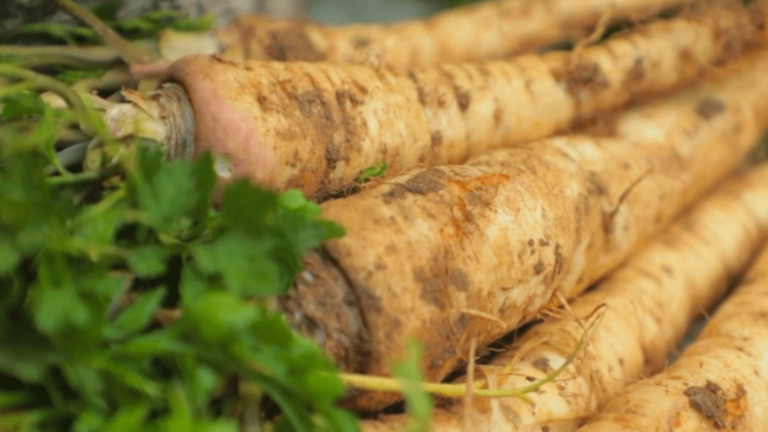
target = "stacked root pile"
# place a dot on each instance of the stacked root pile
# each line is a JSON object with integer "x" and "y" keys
{"x": 513, "y": 182}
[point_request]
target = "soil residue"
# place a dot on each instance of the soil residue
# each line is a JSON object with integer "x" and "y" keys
{"x": 711, "y": 402}
{"x": 709, "y": 107}
{"x": 291, "y": 44}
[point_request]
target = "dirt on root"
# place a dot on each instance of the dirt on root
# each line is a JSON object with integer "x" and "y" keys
{"x": 711, "y": 402}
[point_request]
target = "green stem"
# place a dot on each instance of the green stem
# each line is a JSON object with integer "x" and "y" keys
{"x": 90, "y": 122}
{"x": 39, "y": 61}
{"x": 6, "y": 91}
{"x": 84, "y": 177}
{"x": 128, "y": 52}
{"x": 68, "y": 157}
{"x": 115, "y": 78}
{"x": 457, "y": 390}
{"x": 88, "y": 54}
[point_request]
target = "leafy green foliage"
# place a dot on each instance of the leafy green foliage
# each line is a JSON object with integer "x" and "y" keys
{"x": 21, "y": 104}
{"x": 72, "y": 75}
{"x": 134, "y": 304}
{"x": 145, "y": 26}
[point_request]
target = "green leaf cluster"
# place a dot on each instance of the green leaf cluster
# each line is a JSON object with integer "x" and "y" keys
{"x": 131, "y": 303}
{"x": 141, "y": 27}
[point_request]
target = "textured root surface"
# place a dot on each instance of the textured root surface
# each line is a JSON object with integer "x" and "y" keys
{"x": 719, "y": 381}
{"x": 649, "y": 302}
{"x": 317, "y": 126}
{"x": 484, "y": 31}
{"x": 448, "y": 253}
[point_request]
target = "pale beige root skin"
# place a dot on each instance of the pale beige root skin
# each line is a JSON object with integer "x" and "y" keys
{"x": 455, "y": 252}
{"x": 317, "y": 126}
{"x": 650, "y": 301}
{"x": 484, "y": 31}
{"x": 730, "y": 353}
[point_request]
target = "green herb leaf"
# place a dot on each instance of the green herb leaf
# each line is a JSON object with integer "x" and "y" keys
{"x": 22, "y": 104}
{"x": 418, "y": 401}
{"x": 136, "y": 316}
{"x": 149, "y": 260}
{"x": 88, "y": 263}
{"x": 377, "y": 170}
{"x": 244, "y": 264}
{"x": 9, "y": 257}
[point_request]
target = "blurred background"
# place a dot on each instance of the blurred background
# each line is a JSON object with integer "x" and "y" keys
{"x": 14, "y": 13}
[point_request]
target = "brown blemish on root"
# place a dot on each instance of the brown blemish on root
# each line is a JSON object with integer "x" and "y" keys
{"x": 394, "y": 194}
{"x": 463, "y": 98}
{"x": 708, "y": 402}
{"x": 596, "y": 185}
{"x": 709, "y": 107}
{"x": 538, "y": 267}
{"x": 344, "y": 97}
{"x": 361, "y": 42}
{"x": 607, "y": 218}
{"x": 313, "y": 105}
{"x": 227, "y": 62}
{"x": 542, "y": 364}
{"x": 558, "y": 268}
{"x": 419, "y": 88}
{"x": 425, "y": 182}
{"x": 369, "y": 300}
{"x": 459, "y": 279}
{"x": 436, "y": 139}
{"x": 637, "y": 73}
{"x": 586, "y": 75}
{"x": 291, "y": 44}
{"x": 333, "y": 154}
{"x": 498, "y": 114}
{"x": 432, "y": 292}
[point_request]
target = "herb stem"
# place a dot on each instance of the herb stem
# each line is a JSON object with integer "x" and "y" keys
{"x": 88, "y": 121}
{"x": 128, "y": 52}
{"x": 14, "y": 88}
{"x": 457, "y": 390}
{"x": 91, "y": 55}
{"x": 84, "y": 177}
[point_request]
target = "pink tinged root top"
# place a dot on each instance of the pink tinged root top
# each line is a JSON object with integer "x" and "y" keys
{"x": 226, "y": 124}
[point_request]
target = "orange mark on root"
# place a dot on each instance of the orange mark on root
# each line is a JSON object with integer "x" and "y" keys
{"x": 479, "y": 182}
{"x": 678, "y": 420}
{"x": 737, "y": 406}
{"x": 461, "y": 215}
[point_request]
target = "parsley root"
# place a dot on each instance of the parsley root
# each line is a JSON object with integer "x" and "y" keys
{"x": 456, "y": 252}
{"x": 483, "y": 31}
{"x": 718, "y": 383}
{"x": 650, "y": 301}
{"x": 318, "y": 126}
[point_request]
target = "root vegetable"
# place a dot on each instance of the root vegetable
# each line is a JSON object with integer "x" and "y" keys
{"x": 467, "y": 251}
{"x": 317, "y": 126}
{"x": 488, "y": 30}
{"x": 719, "y": 381}
{"x": 650, "y": 301}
